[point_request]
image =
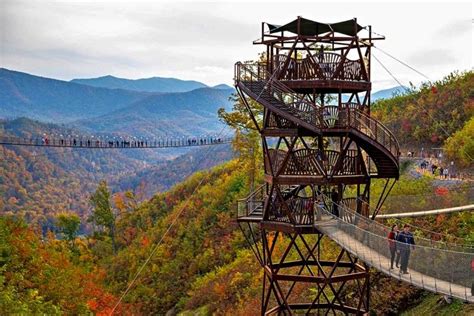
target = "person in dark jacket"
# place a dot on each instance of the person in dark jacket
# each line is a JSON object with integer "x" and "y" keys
{"x": 405, "y": 242}
{"x": 392, "y": 245}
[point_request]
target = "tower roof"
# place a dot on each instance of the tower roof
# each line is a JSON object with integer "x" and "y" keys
{"x": 312, "y": 28}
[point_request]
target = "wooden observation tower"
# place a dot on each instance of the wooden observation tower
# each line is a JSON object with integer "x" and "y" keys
{"x": 321, "y": 150}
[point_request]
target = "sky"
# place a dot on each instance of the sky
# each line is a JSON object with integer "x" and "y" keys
{"x": 202, "y": 40}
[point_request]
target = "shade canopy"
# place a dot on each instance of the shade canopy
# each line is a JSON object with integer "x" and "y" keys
{"x": 313, "y": 28}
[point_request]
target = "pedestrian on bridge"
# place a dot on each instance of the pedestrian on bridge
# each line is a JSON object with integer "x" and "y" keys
{"x": 392, "y": 245}
{"x": 405, "y": 242}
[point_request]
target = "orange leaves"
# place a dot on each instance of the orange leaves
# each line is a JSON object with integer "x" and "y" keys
{"x": 145, "y": 241}
{"x": 440, "y": 218}
{"x": 49, "y": 268}
{"x": 434, "y": 138}
{"x": 441, "y": 191}
{"x": 93, "y": 305}
{"x": 406, "y": 125}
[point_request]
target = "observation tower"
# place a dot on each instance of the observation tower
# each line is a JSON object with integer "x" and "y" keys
{"x": 309, "y": 98}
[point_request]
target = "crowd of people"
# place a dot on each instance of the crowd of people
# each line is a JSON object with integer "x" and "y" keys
{"x": 441, "y": 172}
{"x": 91, "y": 142}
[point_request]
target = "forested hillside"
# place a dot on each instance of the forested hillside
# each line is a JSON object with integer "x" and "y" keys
{"x": 161, "y": 176}
{"x": 202, "y": 266}
{"x": 172, "y": 114}
{"x": 428, "y": 116}
{"x": 45, "y": 276}
{"x": 39, "y": 183}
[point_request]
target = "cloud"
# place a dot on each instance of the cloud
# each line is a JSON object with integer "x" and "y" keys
{"x": 199, "y": 40}
{"x": 432, "y": 57}
{"x": 454, "y": 28}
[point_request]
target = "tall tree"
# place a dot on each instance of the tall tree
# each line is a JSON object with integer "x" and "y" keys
{"x": 103, "y": 213}
{"x": 68, "y": 224}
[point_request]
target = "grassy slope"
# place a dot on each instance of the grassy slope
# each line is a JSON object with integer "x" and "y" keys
{"x": 436, "y": 306}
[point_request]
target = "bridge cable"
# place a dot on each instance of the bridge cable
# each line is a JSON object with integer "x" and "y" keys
{"x": 423, "y": 106}
{"x": 403, "y": 63}
{"x": 466, "y": 242}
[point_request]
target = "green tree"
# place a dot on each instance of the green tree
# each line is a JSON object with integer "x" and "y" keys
{"x": 68, "y": 224}
{"x": 460, "y": 145}
{"x": 103, "y": 214}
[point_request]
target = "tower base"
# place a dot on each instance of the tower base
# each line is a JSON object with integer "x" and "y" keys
{"x": 307, "y": 273}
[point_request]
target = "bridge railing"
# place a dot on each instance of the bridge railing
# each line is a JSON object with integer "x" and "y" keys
{"x": 434, "y": 268}
{"x": 453, "y": 242}
{"x": 348, "y": 214}
{"x": 433, "y": 265}
{"x": 95, "y": 142}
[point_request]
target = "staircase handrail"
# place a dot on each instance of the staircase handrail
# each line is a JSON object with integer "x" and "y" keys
{"x": 354, "y": 117}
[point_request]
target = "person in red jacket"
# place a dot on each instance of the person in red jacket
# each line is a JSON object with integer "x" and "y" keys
{"x": 472, "y": 269}
{"x": 392, "y": 245}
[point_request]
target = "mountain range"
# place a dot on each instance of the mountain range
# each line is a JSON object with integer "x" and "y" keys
{"x": 115, "y": 110}
{"x": 154, "y": 84}
{"x": 37, "y": 182}
{"x": 148, "y": 107}
{"x": 52, "y": 100}
{"x": 387, "y": 93}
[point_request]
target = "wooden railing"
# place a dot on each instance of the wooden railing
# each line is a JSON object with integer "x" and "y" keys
{"x": 298, "y": 211}
{"x": 312, "y": 162}
{"x": 372, "y": 128}
{"x": 326, "y": 66}
{"x": 270, "y": 89}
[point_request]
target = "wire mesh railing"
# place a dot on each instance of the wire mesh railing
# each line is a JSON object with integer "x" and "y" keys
{"x": 430, "y": 265}
{"x": 378, "y": 228}
{"x": 454, "y": 243}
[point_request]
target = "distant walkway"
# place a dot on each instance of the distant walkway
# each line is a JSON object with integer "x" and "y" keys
{"x": 430, "y": 212}
{"x": 114, "y": 143}
{"x": 424, "y": 167}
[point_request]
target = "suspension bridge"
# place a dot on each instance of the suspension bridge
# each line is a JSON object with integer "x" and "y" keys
{"x": 115, "y": 142}
{"x": 433, "y": 265}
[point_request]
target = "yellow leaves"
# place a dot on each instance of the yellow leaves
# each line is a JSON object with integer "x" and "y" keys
{"x": 119, "y": 202}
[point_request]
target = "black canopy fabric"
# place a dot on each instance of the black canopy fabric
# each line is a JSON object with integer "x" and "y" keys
{"x": 312, "y": 28}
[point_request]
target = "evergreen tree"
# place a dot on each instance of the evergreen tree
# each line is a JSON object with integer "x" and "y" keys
{"x": 103, "y": 214}
{"x": 68, "y": 224}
